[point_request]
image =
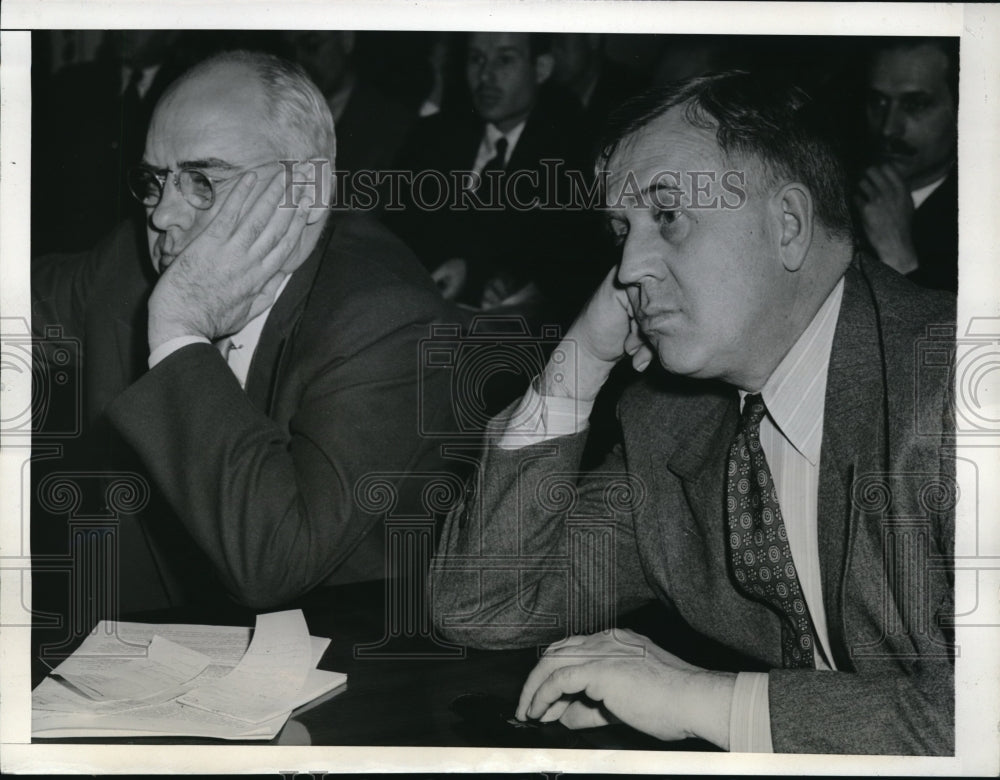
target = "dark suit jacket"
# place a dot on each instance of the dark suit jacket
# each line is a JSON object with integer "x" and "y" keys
{"x": 935, "y": 237}
{"x": 555, "y": 247}
{"x": 540, "y": 549}
{"x": 262, "y": 482}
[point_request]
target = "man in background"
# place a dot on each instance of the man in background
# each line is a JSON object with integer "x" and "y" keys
{"x": 371, "y": 126}
{"x": 508, "y": 247}
{"x": 908, "y": 198}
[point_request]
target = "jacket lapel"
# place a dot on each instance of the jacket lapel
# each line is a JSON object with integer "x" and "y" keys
{"x": 700, "y": 437}
{"x": 265, "y": 367}
{"x": 851, "y": 419}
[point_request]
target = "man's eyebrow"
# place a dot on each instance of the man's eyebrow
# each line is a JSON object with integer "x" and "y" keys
{"x": 660, "y": 186}
{"x": 209, "y": 162}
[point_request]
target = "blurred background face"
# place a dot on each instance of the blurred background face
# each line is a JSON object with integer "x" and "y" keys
{"x": 912, "y": 116}
{"x": 572, "y": 55}
{"x": 502, "y": 77}
{"x": 324, "y": 54}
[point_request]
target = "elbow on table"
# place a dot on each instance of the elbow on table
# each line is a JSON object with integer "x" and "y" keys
{"x": 266, "y": 592}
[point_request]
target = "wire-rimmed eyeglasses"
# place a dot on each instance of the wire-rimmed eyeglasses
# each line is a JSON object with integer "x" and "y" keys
{"x": 196, "y": 187}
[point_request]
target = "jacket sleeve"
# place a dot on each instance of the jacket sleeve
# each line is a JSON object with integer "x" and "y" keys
{"x": 274, "y": 506}
{"x": 538, "y": 550}
{"x": 62, "y": 285}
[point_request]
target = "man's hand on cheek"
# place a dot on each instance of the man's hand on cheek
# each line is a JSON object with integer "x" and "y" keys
{"x": 231, "y": 271}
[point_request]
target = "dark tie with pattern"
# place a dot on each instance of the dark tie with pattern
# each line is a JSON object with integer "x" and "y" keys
{"x": 495, "y": 163}
{"x": 759, "y": 554}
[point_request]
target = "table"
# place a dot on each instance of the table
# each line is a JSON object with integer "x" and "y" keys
{"x": 404, "y": 690}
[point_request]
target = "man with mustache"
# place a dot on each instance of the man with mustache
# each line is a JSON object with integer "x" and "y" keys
{"x": 764, "y": 459}
{"x": 908, "y": 199}
{"x": 248, "y": 357}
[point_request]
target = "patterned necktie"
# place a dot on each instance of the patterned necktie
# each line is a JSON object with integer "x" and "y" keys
{"x": 759, "y": 554}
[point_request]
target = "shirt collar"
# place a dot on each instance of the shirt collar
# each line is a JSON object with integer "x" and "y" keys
{"x": 795, "y": 393}
{"x": 493, "y": 135}
{"x": 145, "y": 80}
{"x": 248, "y": 337}
{"x": 922, "y": 194}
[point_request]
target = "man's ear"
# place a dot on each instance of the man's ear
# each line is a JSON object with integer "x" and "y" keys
{"x": 794, "y": 206}
{"x": 543, "y": 67}
{"x": 314, "y": 179}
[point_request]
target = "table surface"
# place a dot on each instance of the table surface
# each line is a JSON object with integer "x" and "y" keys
{"x": 406, "y": 691}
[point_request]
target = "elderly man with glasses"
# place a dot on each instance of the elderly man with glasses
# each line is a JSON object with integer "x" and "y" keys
{"x": 251, "y": 364}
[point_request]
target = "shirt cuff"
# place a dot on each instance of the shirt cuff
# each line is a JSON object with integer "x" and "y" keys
{"x": 750, "y": 715}
{"x": 539, "y": 418}
{"x": 172, "y": 345}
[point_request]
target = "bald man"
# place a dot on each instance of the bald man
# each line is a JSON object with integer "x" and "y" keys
{"x": 249, "y": 361}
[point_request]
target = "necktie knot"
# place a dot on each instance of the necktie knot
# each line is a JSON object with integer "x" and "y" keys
{"x": 499, "y": 158}
{"x": 754, "y": 410}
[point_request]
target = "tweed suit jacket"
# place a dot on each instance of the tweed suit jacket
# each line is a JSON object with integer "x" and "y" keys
{"x": 255, "y": 486}
{"x": 540, "y": 550}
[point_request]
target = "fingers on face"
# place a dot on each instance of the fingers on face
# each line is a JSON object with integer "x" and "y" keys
{"x": 228, "y": 217}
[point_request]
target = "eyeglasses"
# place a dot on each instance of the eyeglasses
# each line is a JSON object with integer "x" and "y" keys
{"x": 197, "y": 188}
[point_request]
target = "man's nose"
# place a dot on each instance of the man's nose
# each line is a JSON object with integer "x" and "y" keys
{"x": 891, "y": 121}
{"x": 488, "y": 73}
{"x": 641, "y": 257}
{"x": 173, "y": 211}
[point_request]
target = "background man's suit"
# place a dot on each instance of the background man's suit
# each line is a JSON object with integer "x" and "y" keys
{"x": 935, "y": 237}
{"x": 261, "y": 481}
{"x": 554, "y": 247}
{"x": 663, "y": 489}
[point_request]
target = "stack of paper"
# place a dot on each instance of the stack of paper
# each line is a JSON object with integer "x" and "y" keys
{"x": 145, "y": 680}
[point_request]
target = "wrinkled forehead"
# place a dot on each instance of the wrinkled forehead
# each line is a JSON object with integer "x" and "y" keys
{"x": 221, "y": 113}
{"x": 667, "y": 148}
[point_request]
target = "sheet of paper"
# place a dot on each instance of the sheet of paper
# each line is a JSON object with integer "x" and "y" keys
{"x": 267, "y": 678}
{"x": 119, "y": 675}
{"x": 167, "y": 719}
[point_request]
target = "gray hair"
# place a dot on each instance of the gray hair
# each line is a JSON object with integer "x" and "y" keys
{"x": 297, "y": 111}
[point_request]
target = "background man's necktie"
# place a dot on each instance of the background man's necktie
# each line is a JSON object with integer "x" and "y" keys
{"x": 495, "y": 163}
{"x": 759, "y": 554}
{"x": 498, "y": 160}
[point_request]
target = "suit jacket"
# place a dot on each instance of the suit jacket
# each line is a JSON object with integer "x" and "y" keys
{"x": 540, "y": 549}
{"x": 257, "y": 486}
{"x": 935, "y": 237}
{"x": 554, "y": 247}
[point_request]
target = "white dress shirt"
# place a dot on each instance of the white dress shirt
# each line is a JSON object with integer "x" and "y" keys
{"x": 244, "y": 342}
{"x": 923, "y": 193}
{"x": 144, "y": 82}
{"x": 791, "y": 435}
